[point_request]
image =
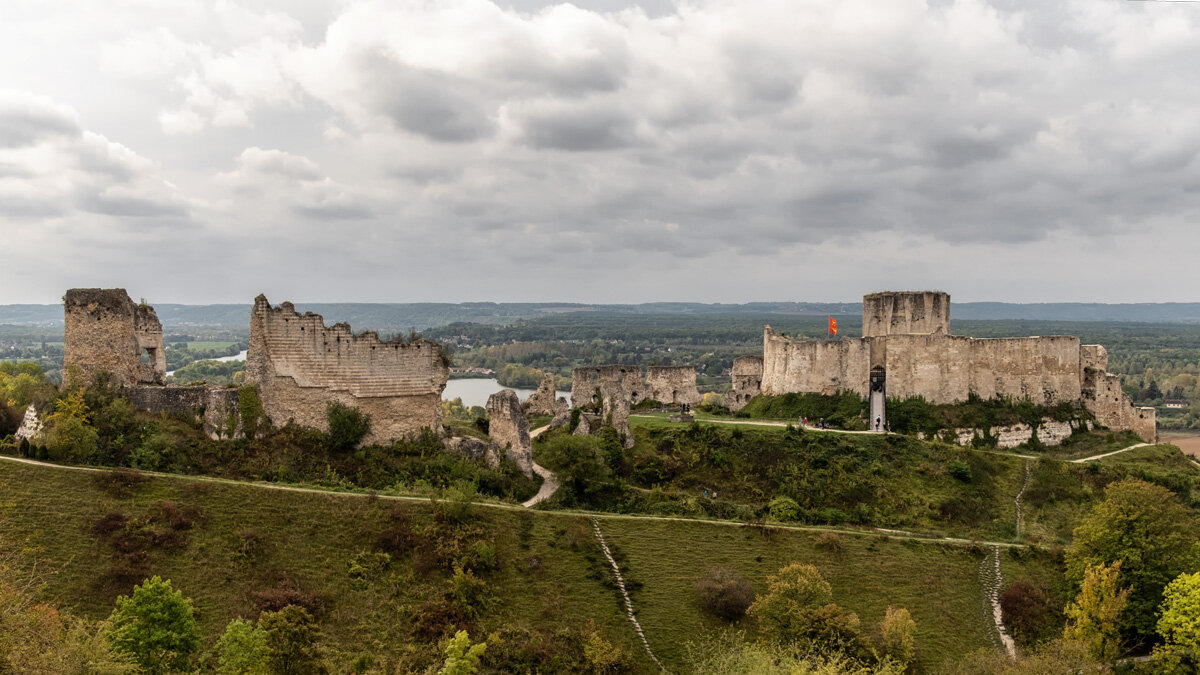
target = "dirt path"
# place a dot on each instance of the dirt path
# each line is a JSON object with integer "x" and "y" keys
{"x": 872, "y": 532}
{"x": 1110, "y": 454}
{"x": 625, "y": 594}
{"x": 549, "y": 482}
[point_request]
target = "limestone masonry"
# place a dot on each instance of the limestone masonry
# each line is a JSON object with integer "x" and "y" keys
{"x": 509, "y": 430}
{"x": 105, "y": 331}
{"x": 665, "y": 384}
{"x": 300, "y": 366}
{"x": 543, "y": 402}
{"x": 907, "y": 350}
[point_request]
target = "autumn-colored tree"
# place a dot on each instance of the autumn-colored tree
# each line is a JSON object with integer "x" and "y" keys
{"x": 1092, "y": 616}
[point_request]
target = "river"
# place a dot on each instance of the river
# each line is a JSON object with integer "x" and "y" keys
{"x": 475, "y": 391}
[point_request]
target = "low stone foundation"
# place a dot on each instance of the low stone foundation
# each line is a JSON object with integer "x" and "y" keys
{"x": 1049, "y": 432}
{"x": 216, "y": 407}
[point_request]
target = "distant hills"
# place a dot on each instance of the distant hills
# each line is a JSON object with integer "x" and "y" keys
{"x": 397, "y": 317}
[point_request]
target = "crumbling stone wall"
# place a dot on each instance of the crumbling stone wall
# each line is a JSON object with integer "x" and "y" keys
{"x": 907, "y": 312}
{"x": 666, "y": 384}
{"x": 300, "y": 365}
{"x": 509, "y": 429}
{"x": 672, "y": 385}
{"x": 1104, "y": 398}
{"x": 543, "y": 401}
{"x": 105, "y": 331}
{"x": 217, "y": 407}
{"x": 747, "y": 381}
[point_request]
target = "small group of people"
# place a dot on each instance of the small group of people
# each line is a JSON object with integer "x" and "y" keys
{"x": 819, "y": 425}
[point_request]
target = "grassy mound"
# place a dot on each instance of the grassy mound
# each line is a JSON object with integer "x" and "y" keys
{"x": 236, "y": 549}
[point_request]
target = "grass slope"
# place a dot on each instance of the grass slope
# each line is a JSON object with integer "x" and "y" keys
{"x": 549, "y": 575}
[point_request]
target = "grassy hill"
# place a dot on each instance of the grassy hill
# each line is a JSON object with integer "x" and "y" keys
{"x": 236, "y": 548}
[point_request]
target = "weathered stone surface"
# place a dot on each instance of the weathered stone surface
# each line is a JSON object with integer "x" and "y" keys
{"x": 906, "y": 336}
{"x": 563, "y": 418}
{"x": 31, "y": 427}
{"x": 666, "y": 384}
{"x": 300, "y": 366}
{"x": 1049, "y": 432}
{"x": 509, "y": 429}
{"x": 747, "y": 381}
{"x": 217, "y": 407}
{"x": 616, "y": 411}
{"x": 105, "y": 331}
{"x": 906, "y": 312}
{"x": 474, "y": 448}
{"x": 584, "y": 428}
{"x": 543, "y": 401}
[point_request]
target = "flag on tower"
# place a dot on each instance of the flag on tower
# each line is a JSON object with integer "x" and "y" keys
{"x": 832, "y": 326}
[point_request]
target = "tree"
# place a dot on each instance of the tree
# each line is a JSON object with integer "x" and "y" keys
{"x": 462, "y": 658}
{"x": 898, "y": 634}
{"x": 1180, "y": 622}
{"x": 1145, "y": 528}
{"x": 155, "y": 627}
{"x": 293, "y": 637}
{"x": 243, "y": 650}
{"x": 797, "y": 608}
{"x": 1092, "y": 616}
{"x": 37, "y": 638}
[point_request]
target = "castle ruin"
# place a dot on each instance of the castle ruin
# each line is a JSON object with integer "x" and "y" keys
{"x": 300, "y": 366}
{"x": 907, "y": 350}
{"x": 105, "y": 331}
{"x": 671, "y": 385}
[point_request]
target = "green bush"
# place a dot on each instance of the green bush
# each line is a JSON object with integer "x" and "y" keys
{"x": 960, "y": 470}
{"x": 347, "y": 426}
{"x": 784, "y": 509}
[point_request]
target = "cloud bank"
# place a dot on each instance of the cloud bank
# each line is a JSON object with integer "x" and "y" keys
{"x": 717, "y": 150}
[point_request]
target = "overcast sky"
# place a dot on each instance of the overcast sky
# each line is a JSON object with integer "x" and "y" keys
{"x": 605, "y": 151}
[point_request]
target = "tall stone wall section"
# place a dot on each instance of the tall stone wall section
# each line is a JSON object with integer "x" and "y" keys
{"x": 300, "y": 366}
{"x": 509, "y": 429}
{"x": 747, "y": 381}
{"x": 819, "y": 366}
{"x": 543, "y": 401}
{"x": 672, "y": 385}
{"x": 105, "y": 331}
{"x": 909, "y": 312}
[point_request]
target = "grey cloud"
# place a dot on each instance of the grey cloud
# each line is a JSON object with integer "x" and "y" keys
{"x": 129, "y": 206}
{"x": 436, "y": 105}
{"x": 578, "y": 128}
{"x": 25, "y": 120}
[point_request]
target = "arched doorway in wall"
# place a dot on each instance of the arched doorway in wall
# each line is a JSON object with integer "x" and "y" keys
{"x": 878, "y": 419}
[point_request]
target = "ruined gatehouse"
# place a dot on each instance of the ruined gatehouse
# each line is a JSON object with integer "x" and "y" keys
{"x": 300, "y": 366}
{"x": 907, "y": 350}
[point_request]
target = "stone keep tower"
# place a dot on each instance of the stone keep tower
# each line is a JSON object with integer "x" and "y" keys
{"x": 906, "y": 313}
{"x": 105, "y": 331}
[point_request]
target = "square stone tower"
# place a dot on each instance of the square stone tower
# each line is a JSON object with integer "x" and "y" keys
{"x": 906, "y": 313}
{"x": 105, "y": 331}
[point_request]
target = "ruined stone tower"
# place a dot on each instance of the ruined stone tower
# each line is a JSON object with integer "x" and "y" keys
{"x": 105, "y": 331}
{"x": 906, "y": 313}
{"x": 300, "y": 366}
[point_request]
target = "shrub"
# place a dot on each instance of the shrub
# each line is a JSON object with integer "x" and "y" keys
{"x": 470, "y": 592}
{"x": 250, "y": 408}
{"x": 784, "y": 509}
{"x": 1028, "y": 613}
{"x": 293, "y": 640}
{"x": 434, "y": 618}
{"x": 286, "y": 593}
{"x": 155, "y": 627}
{"x": 724, "y": 593}
{"x": 898, "y": 635}
{"x": 831, "y": 542}
{"x": 960, "y": 470}
{"x": 347, "y": 426}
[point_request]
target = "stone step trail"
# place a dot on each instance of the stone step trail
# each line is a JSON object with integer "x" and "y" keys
{"x": 993, "y": 581}
{"x": 1021, "y": 493}
{"x": 625, "y": 593}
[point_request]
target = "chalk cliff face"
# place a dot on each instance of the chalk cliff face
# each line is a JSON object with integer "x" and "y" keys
{"x": 105, "y": 331}
{"x": 299, "y": 366}
{"x": 906, "y": 339}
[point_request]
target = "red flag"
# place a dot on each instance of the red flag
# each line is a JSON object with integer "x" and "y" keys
{"x": 832, "y": 326}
